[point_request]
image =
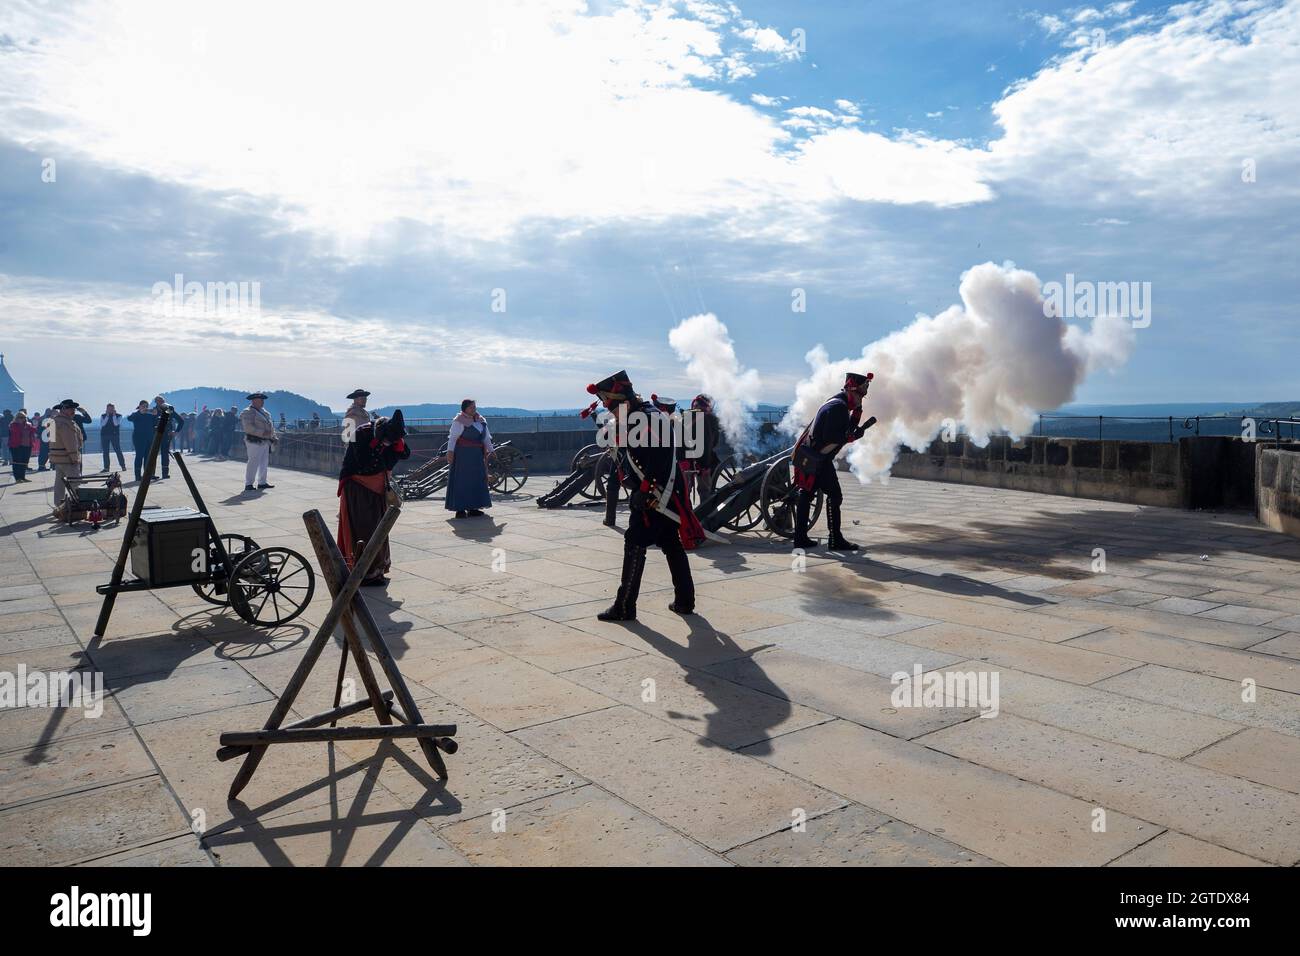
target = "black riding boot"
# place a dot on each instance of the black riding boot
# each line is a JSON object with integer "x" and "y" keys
{"x": 679, "y": 565}
{"x": 837, "y": 541}
{"x": 624, "y": 606}
{"x": 803, "y": 504}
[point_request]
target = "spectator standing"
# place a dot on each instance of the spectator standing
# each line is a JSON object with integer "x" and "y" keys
{"x": 22, "y": 435}
{"x": 110, "y": 435}
{"x": 174, "y": 424}
{"x": 259, "y": 436}
{"x": 65, "y": 449}
{"x": 44, "y": 432}
{"x": 228, "y": 425}
{"x": 143, "y": 424}
{"x": 6, "y": 420}
{"x": 356, "y": 414}
{"x": 212, "y": 444}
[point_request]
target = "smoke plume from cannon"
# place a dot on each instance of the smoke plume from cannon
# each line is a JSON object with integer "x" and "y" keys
{"x": 988, "y": 366}
{"x": 703, "y": 343}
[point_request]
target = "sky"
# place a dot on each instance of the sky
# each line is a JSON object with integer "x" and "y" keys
{"x": 510, "y": 200}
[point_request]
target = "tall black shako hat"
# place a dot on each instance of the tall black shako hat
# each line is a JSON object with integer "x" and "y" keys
{"x": 610, "y": 391}
{"x": 856, "y": 382}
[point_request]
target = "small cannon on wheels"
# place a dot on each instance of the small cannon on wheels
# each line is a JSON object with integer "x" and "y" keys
{"x": 761, "y": 492}
{"x": 507, "y": 471}
{"x": 93, "y": 498}
{"x": 423, "y": 481}
{"x": 589, "y": 475}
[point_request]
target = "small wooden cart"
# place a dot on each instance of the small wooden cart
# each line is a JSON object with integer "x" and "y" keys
{"x": 179, "y": 547}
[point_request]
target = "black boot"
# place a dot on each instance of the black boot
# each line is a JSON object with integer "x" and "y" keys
{"x": 679, "y": 566}
{"x": 624, "y": 606}
{"x": 837, "y": 541}
{"x": 802, "y": 505}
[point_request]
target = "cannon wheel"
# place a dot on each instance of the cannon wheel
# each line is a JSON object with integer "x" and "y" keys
{"x": 271, "y": 586}
{"x": 778, "y": 499}
{"x": 594, "y": 490}
{"x": 507, "y": 471}
{"x": 215, "y": 590}
{"x": 745, "y": 520}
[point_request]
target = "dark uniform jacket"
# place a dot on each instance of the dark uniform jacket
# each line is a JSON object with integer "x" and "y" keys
{"x": 654, "y": 463}
{"x": 366, "y": 456}
{"x": 833, "y": 427}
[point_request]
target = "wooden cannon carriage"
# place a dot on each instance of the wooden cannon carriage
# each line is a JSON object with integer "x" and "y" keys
{"x": 761, "y": 492}
{"x": 507, "y": 472}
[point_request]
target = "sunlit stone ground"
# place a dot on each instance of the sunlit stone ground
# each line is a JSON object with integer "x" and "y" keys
{"x": 760, "y": 732}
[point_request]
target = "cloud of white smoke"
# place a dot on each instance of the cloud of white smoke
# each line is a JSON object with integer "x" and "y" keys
{"x": 989, "y": 365}
{"x": 703, "y": 343}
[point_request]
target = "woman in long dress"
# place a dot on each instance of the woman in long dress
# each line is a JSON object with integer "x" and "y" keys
{"x": 468, "y": 446}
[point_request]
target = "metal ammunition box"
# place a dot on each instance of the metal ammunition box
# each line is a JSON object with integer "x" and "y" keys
{"x": 169, "y": 545}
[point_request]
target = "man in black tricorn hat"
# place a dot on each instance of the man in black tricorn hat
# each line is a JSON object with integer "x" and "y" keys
{"x": 259, "y": 438}
{"x": 356, "y": 413}
{"x": 374, "y": 451}
{"x": 649, "y": 471}
{"x": 834, "y": 426}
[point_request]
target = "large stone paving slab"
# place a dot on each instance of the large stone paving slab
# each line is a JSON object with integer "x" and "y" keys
{"x": 713, "y": 795}
{"x": 1259, "y": 821}
{"x": 991, "y": 813}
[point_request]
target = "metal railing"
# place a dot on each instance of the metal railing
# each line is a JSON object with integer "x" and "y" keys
{"x": 1162, "y": 428}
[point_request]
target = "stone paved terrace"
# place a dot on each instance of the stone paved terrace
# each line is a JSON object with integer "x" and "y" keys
{"x": 1119, "y": 690}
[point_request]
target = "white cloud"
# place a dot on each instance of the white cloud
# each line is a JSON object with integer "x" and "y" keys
{"x": 1167, "y": 115}
{"x": 471, "y": 120}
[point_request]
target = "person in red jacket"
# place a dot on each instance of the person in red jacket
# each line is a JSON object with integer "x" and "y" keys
{"x": 22, "y": 436}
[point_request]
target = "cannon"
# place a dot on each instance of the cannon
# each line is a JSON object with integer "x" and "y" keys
{"x": 93, "y": 498}
{"x": 589, "y": 477}
{"x": 762, "y": 491}
{"x": 507, "y": 470}
{"x": 425, "y": 480}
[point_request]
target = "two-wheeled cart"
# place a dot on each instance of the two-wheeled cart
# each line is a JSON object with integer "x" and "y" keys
{"x": 179, "y": 547}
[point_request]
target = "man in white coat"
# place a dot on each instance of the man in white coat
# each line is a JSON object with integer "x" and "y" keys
{"x": 259, "y": 436}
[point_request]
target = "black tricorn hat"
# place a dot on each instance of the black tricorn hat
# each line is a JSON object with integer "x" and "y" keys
{"x": 261, "y": 395}
{"x": 69, "y": 403}
{"x": 615, "y": 388}
{"x": 358, "y": 393}
{"x": 394, "y": 426}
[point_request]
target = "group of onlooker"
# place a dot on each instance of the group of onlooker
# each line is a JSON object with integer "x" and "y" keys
{"x": 35, "y": 436}
{"x": 211, "y": 432}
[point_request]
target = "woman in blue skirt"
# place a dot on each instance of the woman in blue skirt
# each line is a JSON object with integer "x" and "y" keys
{"x": 468, "y": 446}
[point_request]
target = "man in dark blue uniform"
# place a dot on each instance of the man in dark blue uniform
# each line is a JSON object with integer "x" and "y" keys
{"x": 649, "y": 471}
{"x": 834, "y": 426}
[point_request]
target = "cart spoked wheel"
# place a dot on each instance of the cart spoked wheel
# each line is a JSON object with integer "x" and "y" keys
{"x": 271, "y": 586}
{"x": 780, "y": 496}
{"x": 216, "y": 590}
{"x": 507, "y": 472}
